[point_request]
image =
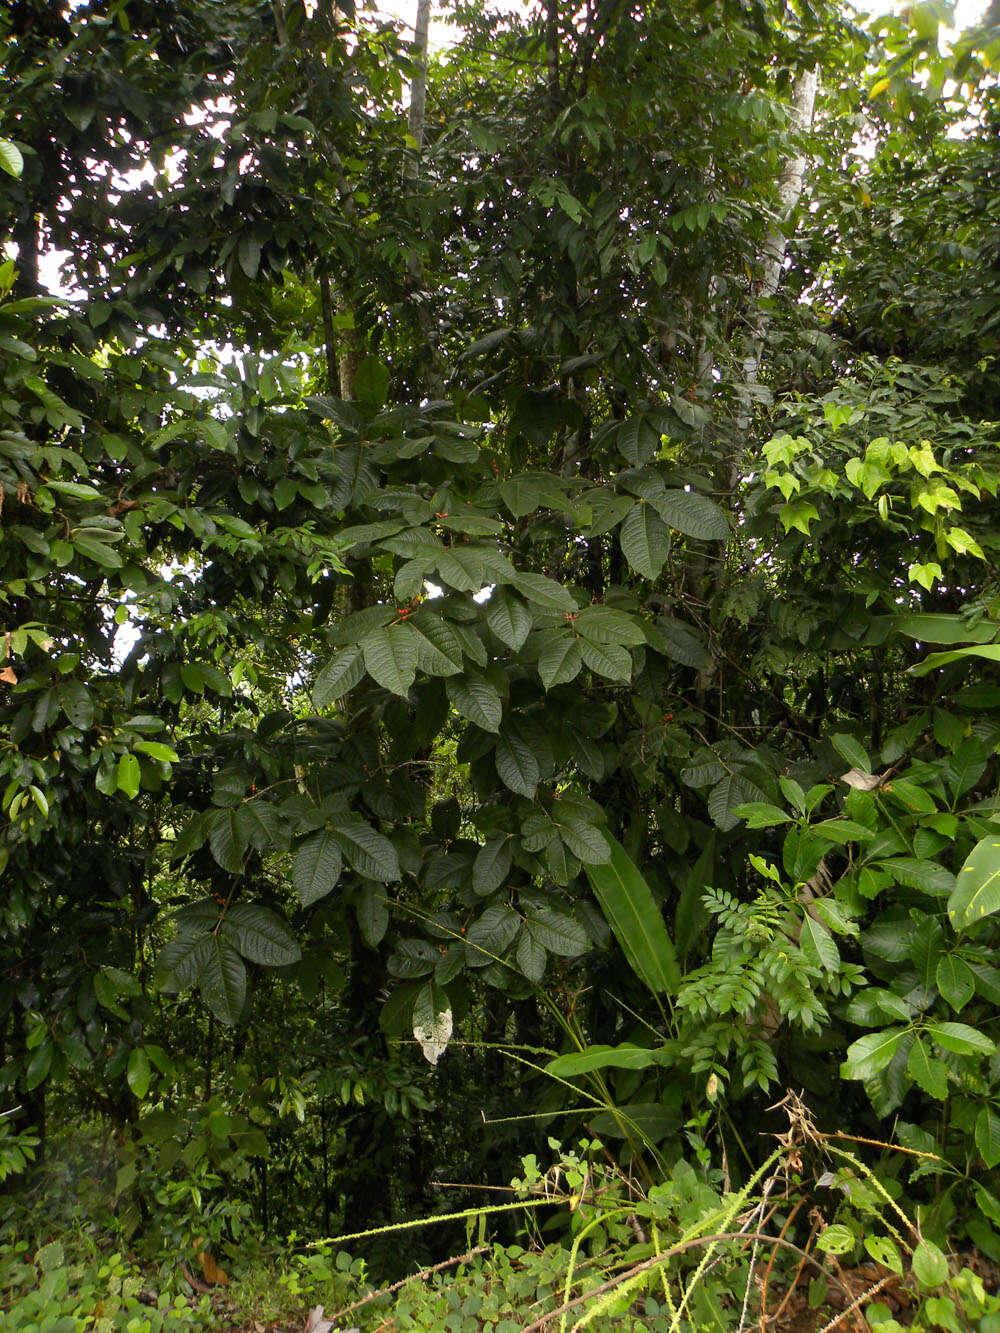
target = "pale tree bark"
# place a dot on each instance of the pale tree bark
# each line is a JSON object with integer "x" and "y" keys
{"x": 789, "y": 193}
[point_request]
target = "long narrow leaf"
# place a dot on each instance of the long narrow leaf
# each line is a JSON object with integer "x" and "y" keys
{"x": 631, "y": 911}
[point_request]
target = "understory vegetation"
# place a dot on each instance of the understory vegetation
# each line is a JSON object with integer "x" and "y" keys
{"x": 499, "y": 627}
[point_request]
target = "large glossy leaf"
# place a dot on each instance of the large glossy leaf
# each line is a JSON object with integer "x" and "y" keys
{"x": 607, "y": 659}
{"x": 491, "y": 934}
{"x": 633, "y": 915}
{"x": 977, "y": 886}
{"x": 557, "y": 932}
{"x": 391, "y": 657}
{"x": 544, "y": 592}
{"x": 560, "y": 659}
{"x": 371, "y": 854}
{"x": 343, "y": 671}
{"x": 316, "y": 867}
{"x": 508, "y": 618}
{"x": 516, "y": 764}
{"x": 260, "y": 935}
{"x": 476, "y": 697}
{"x": 491, "y": 866}
{"x": 645, "y": 540}
{"x": 227, "y": 841}
{"x": 871, "y": 1053}
{"x": 223, "y": 980}
{"x": 693, "y": 514}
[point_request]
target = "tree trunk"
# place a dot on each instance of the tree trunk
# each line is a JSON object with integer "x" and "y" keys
{"x": 789, "y": 191}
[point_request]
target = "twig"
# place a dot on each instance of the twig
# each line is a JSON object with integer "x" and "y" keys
{"x": 670, "y": 1254}
{"x": 858, "y": 1301}
{"x": 422, "y": 1276}
{"x": 770, "y": 1265}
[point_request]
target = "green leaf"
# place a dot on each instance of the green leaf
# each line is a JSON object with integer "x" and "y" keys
{"x": 373, "y": 914}
{"x": 930, "y": 1267}
{"x": 977, "y": 886}
{"x": 77, "y": 703}
{"x": 249, "y": 253}
{"x": 730, "y": 791}
{"x": 260, "y": 935}
{"x": 761, "y": 814}
{"x": 531, "y": 957}
{"x": 884, "y": 1252}
{"x": 544, "y": 592}
{"x": 442, "y": 638}
{"x": 11, "y": 160}
{"x": 508, "y": 618}
{"x": 819, "y": 946}
{"x": 645, "y": 540}
{"x": 956, "y": 981}
{"x": 836, "y": 1239}
{"x": 586, "y": 842}
{"x": 491, "y": 934}
{"x": 138, "y": 1074}
{"x": 693, "y": 514}
{"x": 491, "y": 866}
{"x": 633, "y": 915}
{"x": 961, "y": 1038}
{"x": 841, "y": 831}
{"x": 227, "y": 841}
{"x": 516, "y": 764}
{"x": 590, "y": 1058}
{"x": 476, "y": 697}
{"x": 990, "y": 652}
{"x": 343, "y": 671}
{"x": 988, "y": 1136}
{"x": 316, "y": 867}
{"x": 222, "y": 979}
{"x": 370, "y": 853}
{"x": 557, "y": 933}
{"x": 671, "y": 639}
{"x": 391, "y": 657}
{"x": 851, "y": 751}
{"x": 871, "y": 1053}
{"x": 560, "y": 659}
{"x": 129, "y": 776}
{"x": 157, "y": 750}
{"x": 930, "y": 1074}
{"x": 610, "y": 660}
{"x": 371, "y": 382}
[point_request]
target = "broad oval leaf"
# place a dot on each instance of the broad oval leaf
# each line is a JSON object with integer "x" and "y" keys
{"x": 645, "y": 540}
{"x": 343, "y": 671}
{"x": 316, "y": 867}
{"x": 370, "y": 853}
{"x": 223, "y": 980}
{"x": 260, "y": 935}
{"x": 693, "y": 514}
{"x": 977, "y": 886}
{"x": 491, "y": 866}
{"x": 870, "y": 1053}
{"x": 516, "y": 765}
{"x": 391, "y": 657}
{"x": 560, "y": 659}
{"x": 476, "y": 697}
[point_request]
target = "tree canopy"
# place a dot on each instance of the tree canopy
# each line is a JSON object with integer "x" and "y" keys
{"x": 504, "y": 588}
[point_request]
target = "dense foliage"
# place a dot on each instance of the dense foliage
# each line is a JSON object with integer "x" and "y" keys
{"x": 500, "y": 608}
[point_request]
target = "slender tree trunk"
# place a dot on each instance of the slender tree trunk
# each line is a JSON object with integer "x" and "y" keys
{"x": 789, "y": 191}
